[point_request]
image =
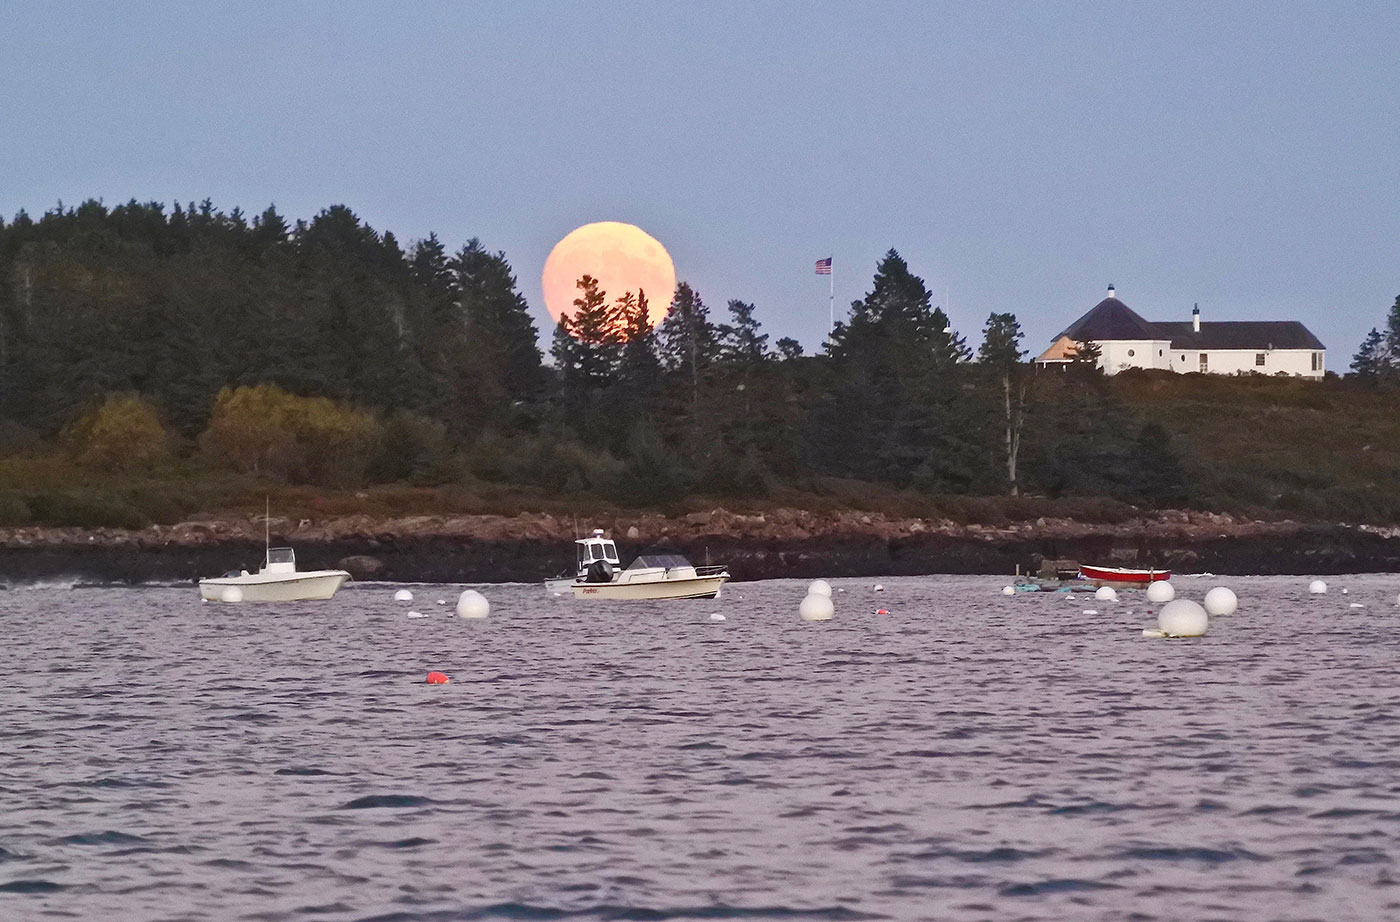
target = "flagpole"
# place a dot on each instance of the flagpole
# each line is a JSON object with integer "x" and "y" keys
{"x": 831, "y": 305}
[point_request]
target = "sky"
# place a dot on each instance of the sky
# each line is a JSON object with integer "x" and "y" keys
{"x": 1020, "y": 156}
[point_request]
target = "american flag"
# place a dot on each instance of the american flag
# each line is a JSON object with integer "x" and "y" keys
{"x": 824, "y": 266}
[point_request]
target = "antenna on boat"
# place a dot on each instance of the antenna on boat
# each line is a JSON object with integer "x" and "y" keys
{"x": 267, "y": 527}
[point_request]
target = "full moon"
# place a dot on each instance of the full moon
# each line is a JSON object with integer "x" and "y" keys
{"x": 622, "y": 257}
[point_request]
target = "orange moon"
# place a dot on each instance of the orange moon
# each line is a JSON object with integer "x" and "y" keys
{"x": 622, "y": 257}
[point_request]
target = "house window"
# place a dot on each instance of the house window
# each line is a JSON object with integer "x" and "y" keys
{"x": 1259, "y": 358}
{"x": 1203, "y": 361}
{"x": 1131, "y": 353}
{"x": 1317, "y": 361}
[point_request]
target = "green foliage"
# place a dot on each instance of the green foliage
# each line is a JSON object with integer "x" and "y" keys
{"x": 588, "y": 343}
{"x": 414, "y": 449}
{"x": 266, "y": 431}
{"x": 123, "y": 432}
{"x": 78, "y": 508}
{"x": 1372, "y": 358}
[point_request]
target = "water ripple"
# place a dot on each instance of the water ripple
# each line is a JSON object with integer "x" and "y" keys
{"x": 967, "y": 757}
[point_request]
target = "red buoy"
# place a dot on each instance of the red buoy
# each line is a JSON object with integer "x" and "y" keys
{"x": 882, "y": 611}
{"x": 438, "y": 678}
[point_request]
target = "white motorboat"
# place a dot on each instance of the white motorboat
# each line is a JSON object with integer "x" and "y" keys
{"x": 653, "y": 576}
{"x": 279, "y": 580}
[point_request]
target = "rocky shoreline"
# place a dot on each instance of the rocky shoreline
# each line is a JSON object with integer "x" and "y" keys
{"x": 778, "y": 543}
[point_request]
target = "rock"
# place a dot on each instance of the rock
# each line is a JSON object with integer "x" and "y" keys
{"x": 362, "y": 566}
{"x": 633, "y": 534}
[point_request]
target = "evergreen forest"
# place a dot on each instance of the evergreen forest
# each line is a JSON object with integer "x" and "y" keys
{"x": 159, "y": 362}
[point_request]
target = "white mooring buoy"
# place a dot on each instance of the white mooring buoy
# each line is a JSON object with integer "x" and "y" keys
{"x": 1182, "y": 618}
{"x": 817, "y": 608}
{"x": 1160, "y": 591}
{"x": 1221, "y": 601}
{"x": 472, "y": 604}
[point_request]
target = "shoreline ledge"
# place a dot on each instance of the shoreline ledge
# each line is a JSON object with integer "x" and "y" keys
{"x": 777, "y": 543}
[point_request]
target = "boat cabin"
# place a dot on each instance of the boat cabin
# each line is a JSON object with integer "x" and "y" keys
{"x": 280, "y": 560}
{"x": 595, "y": 548}
{"x": 657, "y": 565}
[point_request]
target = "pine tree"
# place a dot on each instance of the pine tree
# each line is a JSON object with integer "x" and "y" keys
{"x": 588, "y": 344}
{"x": 740, "y": 343}
{"x": 896, "y": 410}
{"x": 1389, "y": 364}
{"x": 497, "y": 310}
{"x": 1001, "y": 354}
{"x": 1371, "y": 358}
{"x": 640, "y": 366}
{"x": 687, "y": 338}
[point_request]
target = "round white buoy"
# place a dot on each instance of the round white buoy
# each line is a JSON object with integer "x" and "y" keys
{"x": 1008, "y": 590}
{"x": 1160, "y": 591}
{"x": 716, "y": 617}
{"x": 442, "y": 601}
{"x": 1221, "y": 601}
{"x": 403, "y": 595}
{"x": 1317, "y": 587}
{"x": 473, "y": 604}
{"x": 1182, "y": 618}
{"x": 1106, "y": 594}
{"x": 817, "y": 608}
{"x": 819, "y": 587}
{"x": 879, "y": 587}
{"x": 231, "y": 594}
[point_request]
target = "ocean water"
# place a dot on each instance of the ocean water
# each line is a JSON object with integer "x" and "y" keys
{"x": 966, "y": 756}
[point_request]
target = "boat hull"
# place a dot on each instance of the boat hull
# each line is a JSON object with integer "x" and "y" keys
{"x": 312, "y": 586}
{"x": 1123, "y": 576}
{"x": 700, "y": 587}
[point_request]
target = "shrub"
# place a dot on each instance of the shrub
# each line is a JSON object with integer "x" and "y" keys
{"x": 14, "y": 510}
{"x": 85, "y": 509}
{"x": 412, "y": 448}
{"x": 122, "y": 433}
{"x": 264, "y": 430}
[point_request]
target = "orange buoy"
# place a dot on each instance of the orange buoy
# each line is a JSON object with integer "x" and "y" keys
{"x": 882, "y": 611}
{"x": 438, "y": 678}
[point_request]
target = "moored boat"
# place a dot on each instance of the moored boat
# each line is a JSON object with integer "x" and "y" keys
{"x": 279, "y": 580}
{"x": 1123, "y": 576}
{"x": 653, "y": 576}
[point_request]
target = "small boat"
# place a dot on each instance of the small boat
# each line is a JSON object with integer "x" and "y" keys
{"x": 1123, "y": 576}
{"x": 279, "y": 580}
{"x": 652, "y": 576}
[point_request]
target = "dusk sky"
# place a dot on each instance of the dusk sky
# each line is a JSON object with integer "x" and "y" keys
{"x": 1020, "y": 156}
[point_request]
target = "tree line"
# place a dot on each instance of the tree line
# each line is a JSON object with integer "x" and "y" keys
{"x": 324, "y": 351}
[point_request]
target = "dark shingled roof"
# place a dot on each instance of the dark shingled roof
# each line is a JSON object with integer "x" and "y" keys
{"x": 1239, "y": 334}
{"x": 1110, "y": 319}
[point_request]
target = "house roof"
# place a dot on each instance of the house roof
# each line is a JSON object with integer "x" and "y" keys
{"x": 1240, "y": 334}
{"x": 1110, "y": 319}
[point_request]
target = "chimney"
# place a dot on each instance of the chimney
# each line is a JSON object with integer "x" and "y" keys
{"x": 1112, "y": 293}
{"x": 1196, "y": 317}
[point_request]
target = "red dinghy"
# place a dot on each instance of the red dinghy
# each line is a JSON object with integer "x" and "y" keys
{"x": 1123, "y": 575}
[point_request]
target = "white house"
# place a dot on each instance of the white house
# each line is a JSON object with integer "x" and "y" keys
{"x": 1125, "y": 340}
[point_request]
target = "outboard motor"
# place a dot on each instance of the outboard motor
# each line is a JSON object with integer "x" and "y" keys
{"x": 599, "y": 571}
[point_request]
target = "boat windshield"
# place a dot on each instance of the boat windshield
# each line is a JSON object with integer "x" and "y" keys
{"x": 664, "y": 561}
{"x": 280, "y": 555}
